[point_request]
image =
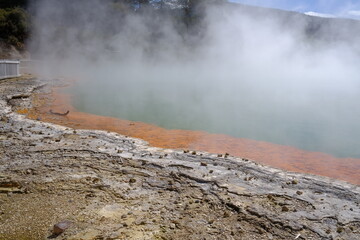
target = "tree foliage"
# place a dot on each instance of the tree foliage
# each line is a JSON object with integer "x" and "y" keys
{"x": 13, "y": 3}
{"x": 13, "y": 27}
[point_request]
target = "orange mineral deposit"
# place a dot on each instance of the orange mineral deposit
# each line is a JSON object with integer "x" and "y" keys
{"x": 279, "y": 156}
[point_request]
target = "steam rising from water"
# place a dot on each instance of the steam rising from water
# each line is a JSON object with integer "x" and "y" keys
{"x": 247, "y": 73}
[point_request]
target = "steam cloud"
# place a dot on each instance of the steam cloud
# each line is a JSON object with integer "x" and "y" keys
{"x": 241, "y": 71}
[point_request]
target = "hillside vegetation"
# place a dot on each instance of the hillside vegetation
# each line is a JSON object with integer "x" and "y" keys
{"x": 16, "y": 17}
{"x": 14, "y": 26}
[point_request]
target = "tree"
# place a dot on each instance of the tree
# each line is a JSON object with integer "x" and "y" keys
{"x": 14, "y": 27}
{"x": 13, "y": 3}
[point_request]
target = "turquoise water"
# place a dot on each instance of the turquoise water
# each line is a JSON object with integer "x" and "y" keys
{"x": 321, "y": 119}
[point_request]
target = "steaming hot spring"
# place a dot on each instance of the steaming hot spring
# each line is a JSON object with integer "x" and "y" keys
{"x": 304, "y": 114}
{"x": 280, "y": 89}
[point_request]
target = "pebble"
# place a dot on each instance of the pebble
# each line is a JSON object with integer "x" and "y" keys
{"x": 285, "y": 209}
{"x": 61, "y": 227}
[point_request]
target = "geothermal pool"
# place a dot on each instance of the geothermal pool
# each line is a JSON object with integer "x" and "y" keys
{"x": 277, "y": 90}
{"x": 323, "y": 119}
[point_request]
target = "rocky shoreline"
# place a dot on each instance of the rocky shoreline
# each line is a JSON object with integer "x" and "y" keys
{"x": 103, "y": 185}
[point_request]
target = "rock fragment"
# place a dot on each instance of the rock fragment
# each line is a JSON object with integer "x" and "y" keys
{"x": 284, "y": 209}
{"x": 60, "y": 227}
{"x": 10, "y": 187}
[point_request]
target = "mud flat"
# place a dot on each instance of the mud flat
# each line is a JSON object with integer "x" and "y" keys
{"x": 102, "y": 185}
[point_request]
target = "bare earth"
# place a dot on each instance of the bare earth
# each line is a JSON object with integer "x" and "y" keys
{"x": 110, "y": 186}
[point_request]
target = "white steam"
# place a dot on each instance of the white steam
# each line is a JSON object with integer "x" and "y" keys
{"x": 245, "y": 73}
